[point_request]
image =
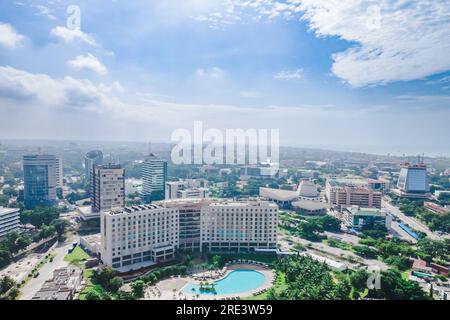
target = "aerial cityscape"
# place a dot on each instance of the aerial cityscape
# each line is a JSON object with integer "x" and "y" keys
{"x": 258, "y": 150}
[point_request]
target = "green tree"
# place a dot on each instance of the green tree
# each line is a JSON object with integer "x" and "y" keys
{"x": 39, "y": 216}
{"x": 433, "y": 249}
{"x": 6, "y": 283}
{"x": 93, "y": 295}
{"x": 60, "y": 227}
{"x": 138, "y": 289}
{"x": 114, "y": 284}
{"x": 395, "y": 287}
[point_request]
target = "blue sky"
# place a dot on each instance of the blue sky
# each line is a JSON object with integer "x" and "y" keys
{"x": 353, "y": 75}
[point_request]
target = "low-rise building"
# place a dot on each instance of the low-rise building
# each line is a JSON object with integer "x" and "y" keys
{"x": 63, "y": 286}
{"x": 310, "y": 207}
{"x": 9, "y": 220}
{"x": 433, "y": 207}
{"x": 357, "y": 218}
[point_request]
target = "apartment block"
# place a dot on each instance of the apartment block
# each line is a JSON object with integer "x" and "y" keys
{"x": 343, "y": 195}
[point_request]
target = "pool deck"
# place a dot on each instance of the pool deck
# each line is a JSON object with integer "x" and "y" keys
{"x": 172, "y": 289}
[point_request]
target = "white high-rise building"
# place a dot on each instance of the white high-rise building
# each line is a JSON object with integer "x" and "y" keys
{"x": 59, "y": 172}
{"x": 108, "y": 187}
{"x": 138, "y": 235}
{"x": 239, "y": 226}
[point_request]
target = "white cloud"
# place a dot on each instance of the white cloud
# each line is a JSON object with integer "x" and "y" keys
{"x": 251, "y": 94}
{"x": 214, "y": 72}
{"x": 391, "y": 40}
{"x": 43, "y": 90}
{"x": 71, "y": 35}
{"x": 45, "y": 11}
{"x": 9, "y": 37}
{"x": 396, "y": 40}
{"x": 89, "y": 62}
{"x": 287, "y": 75}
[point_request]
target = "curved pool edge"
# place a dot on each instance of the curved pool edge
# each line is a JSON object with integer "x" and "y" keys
{"x": 269, "y": 277}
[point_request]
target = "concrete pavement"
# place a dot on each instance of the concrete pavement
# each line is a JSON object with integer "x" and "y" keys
{"x": 46, "y": 272}
{"x": 411, "y": 221}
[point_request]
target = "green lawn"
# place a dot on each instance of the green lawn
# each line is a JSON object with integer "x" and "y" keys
{"x": 77, "y": 254}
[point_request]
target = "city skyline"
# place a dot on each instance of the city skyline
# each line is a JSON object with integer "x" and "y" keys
{"x": 305, "y": 67}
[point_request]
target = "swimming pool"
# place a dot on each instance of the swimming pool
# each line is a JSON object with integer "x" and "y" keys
{"x": 237, "y": 281}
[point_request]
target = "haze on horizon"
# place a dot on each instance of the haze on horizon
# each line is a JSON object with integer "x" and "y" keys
{"x": 328, "y": 74}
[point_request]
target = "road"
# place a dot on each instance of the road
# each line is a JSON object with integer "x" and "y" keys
{"x": 337, "y": 253}
{"x": 411, "y": 221}
{"x": 46, "y": 271}
{"x": 400, "y": 233}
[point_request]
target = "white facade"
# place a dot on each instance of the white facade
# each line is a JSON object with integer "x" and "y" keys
{"x": 9, "y": 220}
{"x": 239, "y": 226}
{"x": 137, "y": 235}
{"x": 183, "y": 189}
{"x": 108, "y": 187}
{"x": 59, "y": 172}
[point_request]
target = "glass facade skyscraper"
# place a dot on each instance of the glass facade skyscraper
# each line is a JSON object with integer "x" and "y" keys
{"x": 39, "y": 180}
{"x": 154, "y": 176}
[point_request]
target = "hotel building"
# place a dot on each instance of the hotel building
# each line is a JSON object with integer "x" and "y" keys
{"x": 134, "y": 237}
{"x": 138, "y": 235}
{"x": 189, "y": 221}
{"x": 239, "y": 226}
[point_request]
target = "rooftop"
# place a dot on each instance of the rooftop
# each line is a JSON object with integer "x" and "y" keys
{"x": 278, "y": 194}
{"x": 8, "y": 210}
{"x": 366, "y": 211}
{"x": 310, "y": 205}
{"x": 133, "y": 209}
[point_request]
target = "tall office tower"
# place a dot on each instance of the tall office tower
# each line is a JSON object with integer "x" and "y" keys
{"x": 92, "y": 158}
{"x": 413, "y": 181}
{"x": 59, "y": 172}
{"x": 154, "y": 176}
{"x": 108, "y": 187}
{"x": 137, "y": 236}
{"x": 39, "y": 175}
